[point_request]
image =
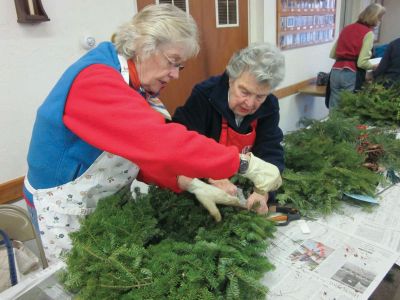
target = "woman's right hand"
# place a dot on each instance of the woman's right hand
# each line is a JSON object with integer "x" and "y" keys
{"x": 225, "y": 185}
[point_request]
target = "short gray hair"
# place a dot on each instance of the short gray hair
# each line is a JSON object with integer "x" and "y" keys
{"x": 262, "y": 60}
{"x": 154, "y": 27}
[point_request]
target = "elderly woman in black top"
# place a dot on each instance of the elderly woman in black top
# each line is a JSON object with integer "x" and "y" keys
{"x": 237, "y": 108}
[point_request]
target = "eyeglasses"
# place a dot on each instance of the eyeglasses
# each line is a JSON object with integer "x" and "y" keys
{"x": 174, "y": 64}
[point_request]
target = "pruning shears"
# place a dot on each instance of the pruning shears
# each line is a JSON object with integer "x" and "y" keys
{"x": 285, "y": 215}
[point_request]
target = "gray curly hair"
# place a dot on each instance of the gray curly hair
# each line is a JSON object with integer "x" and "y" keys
{"x": 262, "y": 60}
{"x": 154, "y": 27}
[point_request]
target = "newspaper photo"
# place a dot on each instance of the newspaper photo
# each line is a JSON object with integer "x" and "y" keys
{"x": 326, "y": 263}
{"x": 381, "y": 225}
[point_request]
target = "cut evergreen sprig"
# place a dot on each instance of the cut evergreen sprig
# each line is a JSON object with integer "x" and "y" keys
{"x": 375, "y": 104}
{"x": 322, "y": 162}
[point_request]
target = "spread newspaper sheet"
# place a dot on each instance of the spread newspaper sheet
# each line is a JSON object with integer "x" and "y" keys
{"x": 345, "y": 256}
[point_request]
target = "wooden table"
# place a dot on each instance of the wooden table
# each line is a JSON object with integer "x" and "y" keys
{"x": 313, "y": 90}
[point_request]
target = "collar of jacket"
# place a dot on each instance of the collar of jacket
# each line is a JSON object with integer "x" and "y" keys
{"x": 219, "y": 99}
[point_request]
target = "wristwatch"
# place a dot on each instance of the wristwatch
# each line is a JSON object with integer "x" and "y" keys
{"x": 244, "y": 164}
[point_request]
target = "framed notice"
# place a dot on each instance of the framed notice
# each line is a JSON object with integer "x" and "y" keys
{"x": 302, "y": 23}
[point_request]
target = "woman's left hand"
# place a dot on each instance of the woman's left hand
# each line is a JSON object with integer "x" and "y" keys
{"x": 262, "y": 200}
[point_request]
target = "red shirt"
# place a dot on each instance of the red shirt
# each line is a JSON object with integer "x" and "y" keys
{"x": 105, "y": 112}
{"x": 349, "y": 45}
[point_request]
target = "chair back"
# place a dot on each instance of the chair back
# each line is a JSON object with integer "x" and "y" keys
{"x": 15, "y": 221}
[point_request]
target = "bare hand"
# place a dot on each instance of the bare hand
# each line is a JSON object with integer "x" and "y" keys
{"x": 225, "y": 185}
{"x": 262, "y": 200}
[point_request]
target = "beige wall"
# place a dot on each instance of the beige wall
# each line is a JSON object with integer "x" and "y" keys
{"x": 390, "y": 29}
{"x": 32, "y": 58}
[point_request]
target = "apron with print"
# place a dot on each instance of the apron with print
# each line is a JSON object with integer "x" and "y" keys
{"x": 60, "y": 209}
{"x": 244, "y": 142}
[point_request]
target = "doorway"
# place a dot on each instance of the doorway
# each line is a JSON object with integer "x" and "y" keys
{"x": 217, "y": 43}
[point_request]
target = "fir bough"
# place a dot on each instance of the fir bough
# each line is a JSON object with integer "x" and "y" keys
{"x": 375, "y": 103}
{"x": 166, "y": 246}
{"x": 322, "y": 163}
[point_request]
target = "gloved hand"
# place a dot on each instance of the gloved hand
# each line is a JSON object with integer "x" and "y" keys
{"x": 209, "y": 196}
{"x": 265, "y": 176}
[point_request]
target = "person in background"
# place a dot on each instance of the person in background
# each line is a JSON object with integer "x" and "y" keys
{"x": 102, "y": 126}
{"x": 237, "y": 108}
{"x": 352, "y": 52}
{"x": 388, "y": 70}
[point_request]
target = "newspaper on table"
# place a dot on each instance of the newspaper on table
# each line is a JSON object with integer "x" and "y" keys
{"x": 381, "y": 225}
{"x": 343, "y": 257}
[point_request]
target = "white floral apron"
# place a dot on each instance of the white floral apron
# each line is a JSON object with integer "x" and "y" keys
{"x": 61, "y": 208}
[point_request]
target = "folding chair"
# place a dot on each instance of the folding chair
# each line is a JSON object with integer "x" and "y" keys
{"x": 15, "y": 221}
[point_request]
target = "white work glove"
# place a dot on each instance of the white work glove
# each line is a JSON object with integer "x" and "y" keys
{"x": 265, "y": 176}
{"x": 209, "y": 196}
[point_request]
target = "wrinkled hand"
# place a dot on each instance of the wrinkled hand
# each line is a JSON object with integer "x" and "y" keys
{"x": 256, "y": 198}
{"x": 265, "y": 176}
{"x": 209, "y": 196}
{"x": 225, "y": 185}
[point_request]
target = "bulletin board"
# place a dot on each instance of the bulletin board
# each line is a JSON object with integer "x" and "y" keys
{"x": 302, "y": 23}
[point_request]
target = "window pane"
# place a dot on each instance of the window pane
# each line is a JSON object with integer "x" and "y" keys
{"x": 181, "y": 4}
{"x": 232, "y": 11}
{"x": 178, "y": 3}
{"x": 222, "y": 12}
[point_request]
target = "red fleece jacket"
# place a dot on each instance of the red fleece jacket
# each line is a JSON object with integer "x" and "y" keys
{"x": 108, "y": 114}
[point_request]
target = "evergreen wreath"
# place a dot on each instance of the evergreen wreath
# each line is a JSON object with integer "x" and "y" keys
{"x": 166, "y": 246}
